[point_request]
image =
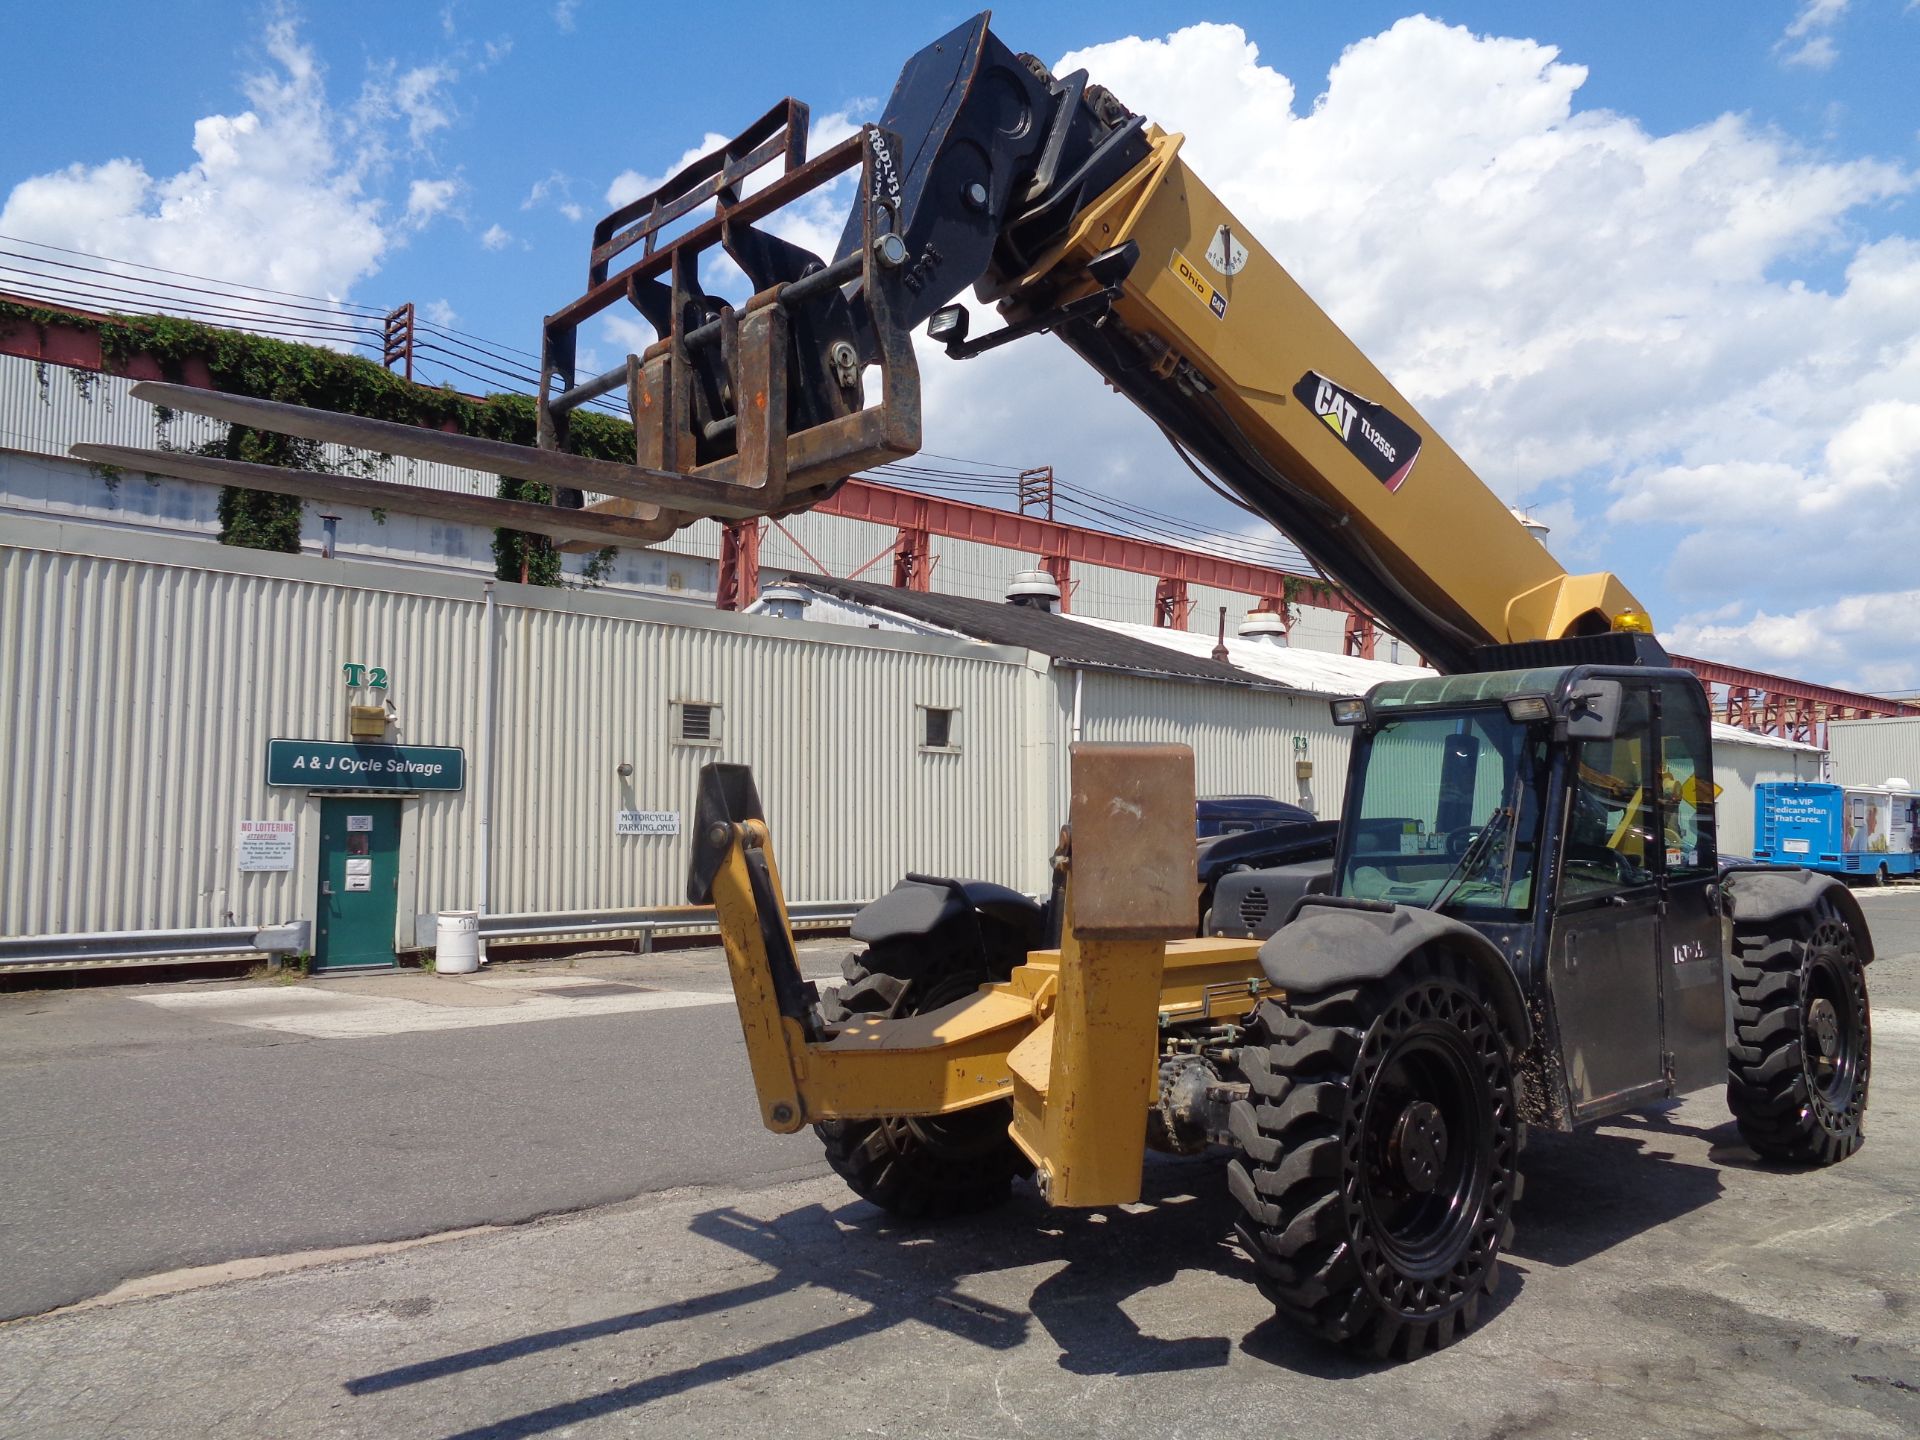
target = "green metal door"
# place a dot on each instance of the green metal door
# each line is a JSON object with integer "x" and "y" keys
{"x": 359, "y": 884}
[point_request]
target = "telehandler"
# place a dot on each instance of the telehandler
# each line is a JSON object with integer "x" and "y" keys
{"x": 1526, "y": 922}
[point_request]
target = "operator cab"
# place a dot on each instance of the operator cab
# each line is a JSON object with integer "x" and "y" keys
{"x": 1566, "y": 814}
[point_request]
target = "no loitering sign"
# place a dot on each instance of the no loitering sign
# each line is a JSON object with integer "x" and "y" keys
{"x": 265, "y": 845}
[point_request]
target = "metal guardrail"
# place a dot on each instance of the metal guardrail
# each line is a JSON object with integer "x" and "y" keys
{"x": 648, "y": 921}
{"x": 147, "y": 947}
{"x": 137, "y": 947}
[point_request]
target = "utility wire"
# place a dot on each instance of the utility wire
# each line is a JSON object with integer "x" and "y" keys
{"x": 44, "y": 288}
{"x": 224, "y": 294}
{"x": 185, "y": 275}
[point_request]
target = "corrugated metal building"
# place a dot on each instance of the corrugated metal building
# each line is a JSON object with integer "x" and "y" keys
{"x": 1250, "y": 721}
{"x": 1742, "y": 760}
{"x": 145, "y": 669}
{"x": 1872, "y": 752}
{"x": 143, "y": 677}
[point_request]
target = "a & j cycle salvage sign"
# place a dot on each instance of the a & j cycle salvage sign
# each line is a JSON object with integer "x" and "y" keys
{"x": 332, "y": 765}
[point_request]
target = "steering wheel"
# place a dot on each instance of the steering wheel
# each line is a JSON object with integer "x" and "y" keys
{"x": 1461, "y": 840}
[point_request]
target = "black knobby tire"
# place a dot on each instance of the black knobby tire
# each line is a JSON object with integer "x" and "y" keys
{"x": 1803, "y": 1037}
{"x": 1378, "y": 1156}
{"x": 926, "y": 1167}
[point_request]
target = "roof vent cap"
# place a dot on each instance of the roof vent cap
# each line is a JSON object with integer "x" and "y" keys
{"x": 785, "y": 602}
{"x": 1538, "y": 529}
{"x": 1034, "y": 589}
{"x": 1264, "y": 626}
{"x": 1899, "y": 782}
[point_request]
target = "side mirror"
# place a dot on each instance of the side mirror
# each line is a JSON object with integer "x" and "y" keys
{"x": 1593, "y": 710}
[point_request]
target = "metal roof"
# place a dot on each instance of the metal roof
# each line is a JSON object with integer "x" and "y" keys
{"x": 1296, "y": 668}
{"x": 1055, "y": 636}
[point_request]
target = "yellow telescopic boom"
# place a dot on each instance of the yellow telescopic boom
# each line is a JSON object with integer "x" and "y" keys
{"x": 1213, "y": 336}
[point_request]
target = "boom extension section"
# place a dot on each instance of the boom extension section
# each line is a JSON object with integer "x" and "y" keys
{"x": 1097, "y": 230}
{"x": 1069, "y": 1044}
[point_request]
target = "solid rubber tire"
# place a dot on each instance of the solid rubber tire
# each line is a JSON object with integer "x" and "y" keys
{"x": 1782, "y": 1113}
{"x": 1300, "y": 1173}
{"x": 920, "y": 1170}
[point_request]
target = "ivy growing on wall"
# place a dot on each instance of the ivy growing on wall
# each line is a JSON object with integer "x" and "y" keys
{"x": 328, "y": 380}
{"x": 529, "y": 559}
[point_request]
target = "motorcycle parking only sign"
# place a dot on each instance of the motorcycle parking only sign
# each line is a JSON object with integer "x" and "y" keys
{"x": 646, "y": 822}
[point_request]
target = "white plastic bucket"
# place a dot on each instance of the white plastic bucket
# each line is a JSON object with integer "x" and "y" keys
{"x": 457, "y": 943}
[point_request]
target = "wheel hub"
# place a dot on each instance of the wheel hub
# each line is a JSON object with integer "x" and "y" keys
{"x": 1419, "y": 1145}
{"x": 1824, "y": 1021}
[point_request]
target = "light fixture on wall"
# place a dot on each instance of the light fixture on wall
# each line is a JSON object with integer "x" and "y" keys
{"x": 624, "y": 769}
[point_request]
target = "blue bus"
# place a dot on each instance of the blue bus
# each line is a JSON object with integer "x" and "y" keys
{"x": 1864, "y": 831}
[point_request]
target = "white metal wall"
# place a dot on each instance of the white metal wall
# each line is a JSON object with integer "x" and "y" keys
{"x": 139, "y": 693}
{"x": 829, "y": 721}
{"x": 1871, "y": 752}
{"x": 141, "y": 677}
{"x": 1243, "y": 739}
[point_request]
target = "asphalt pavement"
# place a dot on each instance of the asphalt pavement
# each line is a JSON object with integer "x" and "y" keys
{"x": 1661, "y": 1282}
{"x": 142, "y": 1130}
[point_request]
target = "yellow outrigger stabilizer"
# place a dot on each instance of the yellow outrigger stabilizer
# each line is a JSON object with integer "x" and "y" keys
{"x": 1073, "y": 1038}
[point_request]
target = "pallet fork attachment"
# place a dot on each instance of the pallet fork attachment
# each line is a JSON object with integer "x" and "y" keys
{"x": 745, "y": 410}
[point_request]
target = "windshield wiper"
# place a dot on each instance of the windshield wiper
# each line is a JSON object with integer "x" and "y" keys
{"x": 1470, "y": 858}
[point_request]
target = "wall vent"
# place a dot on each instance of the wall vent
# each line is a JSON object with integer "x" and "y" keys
{"x": 699, "y": 723}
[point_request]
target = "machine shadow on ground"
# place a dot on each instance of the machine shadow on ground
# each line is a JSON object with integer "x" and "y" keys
{"x": 1585, "y": 1194}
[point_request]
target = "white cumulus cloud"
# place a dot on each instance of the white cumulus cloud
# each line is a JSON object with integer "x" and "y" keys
{"x": 428, "y": 198}
{"x": 1807, "y": 40}
{"x": 290, "y": 193}
{"x": 1842, "y": 640}
{"x": 270, "y": 199}
{"x": 556, "y": 190}
{"x": 419, "y": 97}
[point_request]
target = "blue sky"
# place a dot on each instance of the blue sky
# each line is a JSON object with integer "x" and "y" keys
{"x": 1720, "y": 403}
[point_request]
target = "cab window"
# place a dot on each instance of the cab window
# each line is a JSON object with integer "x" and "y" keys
{"x": 1687, "y": 790}
{"x": 1612, "y": 836}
